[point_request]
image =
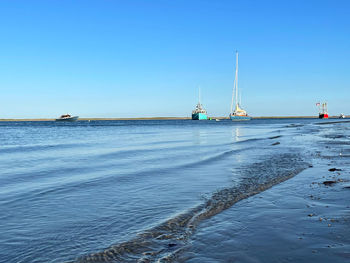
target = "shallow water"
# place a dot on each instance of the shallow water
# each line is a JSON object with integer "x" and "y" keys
{"x": 301, "y": 220}
{"x": 133, "y": 190}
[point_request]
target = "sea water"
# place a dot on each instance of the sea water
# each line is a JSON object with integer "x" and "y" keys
{"x": 132, "y": 191}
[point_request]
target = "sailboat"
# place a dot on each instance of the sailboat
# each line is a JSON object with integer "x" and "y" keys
{"x": 237, "y": 113}
{"x": 199, "y": 113}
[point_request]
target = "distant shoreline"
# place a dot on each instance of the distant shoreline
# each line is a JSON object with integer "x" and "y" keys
{"x": 170, "y": 118}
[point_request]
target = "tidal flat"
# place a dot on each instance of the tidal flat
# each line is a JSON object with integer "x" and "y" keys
{"x": 267, "y": 190}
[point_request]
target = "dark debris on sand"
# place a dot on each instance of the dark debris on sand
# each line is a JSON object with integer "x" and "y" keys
{"x": 334, "y": 169}
{"x": 329, "y": 182}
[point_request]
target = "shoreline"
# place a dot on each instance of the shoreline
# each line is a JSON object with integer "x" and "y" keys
{"x": 305, "y": 218}
{"x": 166, "y": 118}
{"x": 236, "y": 209}
{"x": 309, "y": 224}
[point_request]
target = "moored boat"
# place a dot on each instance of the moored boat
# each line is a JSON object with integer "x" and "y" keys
{"x": 237, "y": 113}
{"x": 199, "y": 113}
{"x": 67, "y": 117}
{"x": 322, "y": 110}
{"x": 341, "y": 116}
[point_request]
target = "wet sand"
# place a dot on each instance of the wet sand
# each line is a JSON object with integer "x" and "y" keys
{"x": 304, "y": 219}
{"x": 300, "y": 220}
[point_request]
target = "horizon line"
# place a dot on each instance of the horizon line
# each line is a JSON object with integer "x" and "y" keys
{"x": 164, "y": 118}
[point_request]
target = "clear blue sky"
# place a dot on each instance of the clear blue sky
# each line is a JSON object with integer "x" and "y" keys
{"x": 147, "y": 58}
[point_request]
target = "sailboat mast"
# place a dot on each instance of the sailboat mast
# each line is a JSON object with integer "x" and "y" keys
{"x": 236, "y": 78}
{"x": 233, "y": 93}
{"x": 234, "y": 98}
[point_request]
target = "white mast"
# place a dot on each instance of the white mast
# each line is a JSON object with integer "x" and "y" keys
{"x": 236, "y": 77}
{"x": 234, "y": 91}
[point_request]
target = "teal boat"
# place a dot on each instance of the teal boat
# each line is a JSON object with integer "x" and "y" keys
{"x": 199, "y": 116}
{"x": 199, "y": 113}
{"x": 237, "y": 113}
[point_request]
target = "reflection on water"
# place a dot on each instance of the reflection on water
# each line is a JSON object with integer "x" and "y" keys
{"x": 236, "y": 133}
{"x": 237, "y": 137}
{"x": 82, "y": 187}
{"x": 200, "y": 137}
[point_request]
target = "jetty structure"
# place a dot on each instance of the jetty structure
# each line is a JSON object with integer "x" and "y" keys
{"x": 199, "y": 113}
{"x": 236, "y": 112}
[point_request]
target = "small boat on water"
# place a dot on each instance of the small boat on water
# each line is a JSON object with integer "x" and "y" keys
{"x": 67, "y": 117}
{"x": 237, "y": 113}
{"x": 341, "y": 116}
{"x": 199, "y": 113}
{"x": 322, "y": 110}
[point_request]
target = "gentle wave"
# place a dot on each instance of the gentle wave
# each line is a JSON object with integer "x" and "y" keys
{"x": 66, "y": 182}
{"x": 163, "y": 243}
{"x": 40, "y": 148}
{"x": 63, "y": 176}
